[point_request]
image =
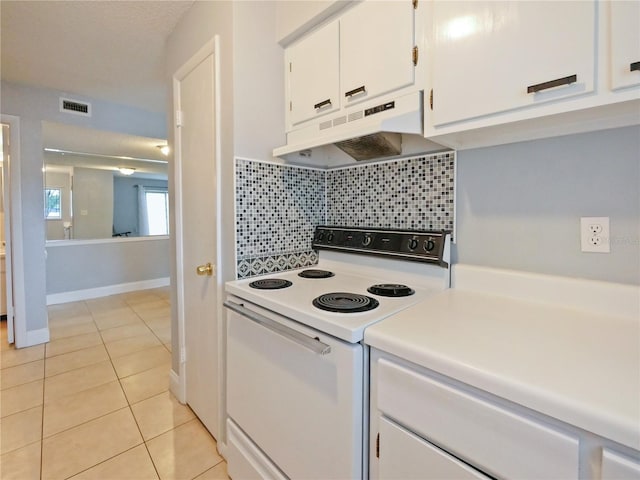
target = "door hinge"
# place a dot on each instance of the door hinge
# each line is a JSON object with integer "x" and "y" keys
{"x": 183, "y": 355}
{"x": 378, "y": 446}
{"x": 179, "y": 118}
{"x": 290, "y": 106}
{"x": 431, "y": 99}
{"x": 290, "y": 70}
{"x": 414, "y": 54}
{"x": 415, "y": 4}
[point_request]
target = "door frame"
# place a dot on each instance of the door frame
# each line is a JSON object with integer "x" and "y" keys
{"x": 16, "y": 301}
{"x": 178, "y": 379}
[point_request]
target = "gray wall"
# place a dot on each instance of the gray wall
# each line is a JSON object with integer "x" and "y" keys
{"x": 33, "y": 105}
{"x": 519, "y": 205}
{"x": 80, "y": 267}
{"x": 92, "y": 203}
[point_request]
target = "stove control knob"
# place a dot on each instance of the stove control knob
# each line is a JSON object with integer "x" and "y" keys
{"x": 366, "y": 241}
{"x": 429, "y": 245}
{"x": 413, "y": 244}
{"x": 330, "y": 237}
{"x": 320, "y": 236}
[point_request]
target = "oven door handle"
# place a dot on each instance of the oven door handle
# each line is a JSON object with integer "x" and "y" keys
{"x": 313, "y": 344}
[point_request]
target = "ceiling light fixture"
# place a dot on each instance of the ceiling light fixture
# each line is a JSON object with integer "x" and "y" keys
{"x": 164, "y": 149}
{"x": 126, "y": 170}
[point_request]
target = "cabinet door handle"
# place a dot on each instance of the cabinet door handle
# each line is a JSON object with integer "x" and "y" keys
{"x": 322, "y": 104}
{"x": 552, "y": 83}
{"x": 634, "y": 67}
{"x": 355, "y": 91}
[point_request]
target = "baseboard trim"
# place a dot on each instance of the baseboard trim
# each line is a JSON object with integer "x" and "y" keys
{"x": 78, "y": 295}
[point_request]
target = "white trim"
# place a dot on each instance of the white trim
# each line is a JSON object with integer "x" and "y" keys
{"x": 221, "y": 311}
{"x": 96, "y": 241}
{"x": 605, "y": 298}
{"x": 282, "y": 163}
{"x": 178, "y": 386}
{"x": 36, "y": 337}
{"x": 78, "y": 295}
{"x": 409, "y": 156}
{"x": 14, "y": 238}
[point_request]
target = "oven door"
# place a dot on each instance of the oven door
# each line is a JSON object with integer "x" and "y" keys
{"x": 295, "y": 393}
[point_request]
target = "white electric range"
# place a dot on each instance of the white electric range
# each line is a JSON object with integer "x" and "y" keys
{"x": 297, "y": 372}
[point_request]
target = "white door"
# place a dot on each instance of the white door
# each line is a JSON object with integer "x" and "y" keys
{"x": 196, "y": 236}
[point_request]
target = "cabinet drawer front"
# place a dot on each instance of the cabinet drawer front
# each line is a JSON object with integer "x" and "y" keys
{"x": 487, "y": 436}
{"x": 615, "y": 467}
{"x": 407, "y": 456}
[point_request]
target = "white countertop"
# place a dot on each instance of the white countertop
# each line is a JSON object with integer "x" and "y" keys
{"x": 578, "y": 367}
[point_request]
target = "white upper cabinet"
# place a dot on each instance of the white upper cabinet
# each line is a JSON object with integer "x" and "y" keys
{"x": 491, "y": 57}
{"x": 312, "y": 71}
{"x": 376, "y": 49}
{"x": 365, "y": 53}
{"x": 625, "y": 44}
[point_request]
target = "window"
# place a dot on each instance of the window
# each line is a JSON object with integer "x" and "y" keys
{"x": 153, "y": 211}
{"x": 158, "y": 212}
{"x": 53, "y": 203}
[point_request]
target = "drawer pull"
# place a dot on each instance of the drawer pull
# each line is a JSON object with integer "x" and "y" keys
{"x": 634, "y": 67}
{"x": 322, "y": 104}
{"x": 355, "y": 91}
{"x": 553, "y": 83}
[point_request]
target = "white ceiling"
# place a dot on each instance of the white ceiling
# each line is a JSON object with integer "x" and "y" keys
{"x": 110, "y": 50}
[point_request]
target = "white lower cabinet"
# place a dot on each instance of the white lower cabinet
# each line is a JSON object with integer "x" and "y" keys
{"x": 426, "y": 426}
{"x": 405, "y": 455}
{"x": 486, "y": 436}
{"x": 617, "y": 467}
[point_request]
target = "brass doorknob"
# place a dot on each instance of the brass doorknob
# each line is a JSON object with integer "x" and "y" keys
{"x": 206, "y": 269}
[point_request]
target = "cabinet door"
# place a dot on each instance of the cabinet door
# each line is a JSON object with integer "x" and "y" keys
{"x": 312, "y": 67}
{"x": 409, "y": 457}
{"x": 625, "y": 43}
{"x": 376, "y": 45}
{"x": 615, "y": 467}
{"x": 493, "y": 57}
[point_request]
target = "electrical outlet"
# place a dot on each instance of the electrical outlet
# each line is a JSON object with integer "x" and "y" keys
{"x": 594, "y": 234}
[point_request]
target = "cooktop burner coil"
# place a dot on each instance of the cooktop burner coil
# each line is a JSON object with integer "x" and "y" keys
{"x": 313, "y": 273}
{"x": 342, "y": 302}
{"x": 390, "y": 290}
{"x": 270, "y": 284}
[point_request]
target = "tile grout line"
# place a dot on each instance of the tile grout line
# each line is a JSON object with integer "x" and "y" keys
{"x": 144, "y": 442}
{"x": 129, "y": 404}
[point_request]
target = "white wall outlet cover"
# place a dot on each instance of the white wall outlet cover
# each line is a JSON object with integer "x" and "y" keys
{"x": 595, "y": 234}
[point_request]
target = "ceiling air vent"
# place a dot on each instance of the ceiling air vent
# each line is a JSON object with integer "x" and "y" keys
{"x": 77, "y": 108}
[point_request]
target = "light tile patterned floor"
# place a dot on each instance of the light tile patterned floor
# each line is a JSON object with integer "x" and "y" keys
{"x": 94, "y": 403}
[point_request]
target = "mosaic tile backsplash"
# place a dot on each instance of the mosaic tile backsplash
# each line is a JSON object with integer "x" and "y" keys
{"x": 277, "y": 210}
{"x": 279, "y": 206}
{"x": 411, "y": 194}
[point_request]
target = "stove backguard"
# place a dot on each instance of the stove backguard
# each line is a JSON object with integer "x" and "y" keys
{"x": 420, "y": 246}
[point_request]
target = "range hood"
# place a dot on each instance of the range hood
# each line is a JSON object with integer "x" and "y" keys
{"x": 368, "y": 131}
